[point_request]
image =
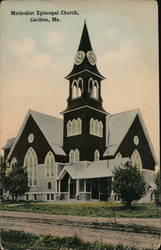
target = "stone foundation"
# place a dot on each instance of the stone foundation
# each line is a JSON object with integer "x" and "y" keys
{"x": 84, "y": 196}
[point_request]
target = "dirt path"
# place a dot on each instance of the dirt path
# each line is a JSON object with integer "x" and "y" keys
{"x": 141, "y": 233}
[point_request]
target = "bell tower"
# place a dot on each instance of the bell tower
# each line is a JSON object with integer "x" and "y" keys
{"x": 84, "y": 117}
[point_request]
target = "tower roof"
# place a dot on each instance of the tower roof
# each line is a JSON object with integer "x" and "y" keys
{"x": 85, "y": 59}
{"x": 85, "y": 43}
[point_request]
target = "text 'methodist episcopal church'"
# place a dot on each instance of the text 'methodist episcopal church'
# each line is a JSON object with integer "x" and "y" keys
{"x": 74, "y": 158}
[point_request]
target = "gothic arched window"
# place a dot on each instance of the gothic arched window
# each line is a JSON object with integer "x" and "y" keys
{"x": 74, "y": 127}
{"x": 92, "y": 126}
{"x": 31, "y": 162}
{"x": 96, "y": 128}
{"x": 79, "y": 126}
{"x": 93, "y": 88}
{"x": 136, "y": 159}
{"x": 80, "y": 87}
{"x": 118, "y": 156}
{"x": 100, "y": 129}
{"x": 71, "y": 156}
{"x": 76, "y": 155}
{"x": 69, "y": 128}
{"x": 96, "y": 155}
{"x": 77, "y": 88}
{"x": 13, "y": 162}
{"x": 74, "y": 89}
{"x": 50, "y": 165}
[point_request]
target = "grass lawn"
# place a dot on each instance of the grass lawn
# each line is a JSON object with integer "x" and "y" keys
{"x": 95, "y": 209}
{"x": 12, "y": 240}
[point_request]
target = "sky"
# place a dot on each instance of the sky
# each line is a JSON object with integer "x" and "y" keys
{"x": 36, "y": 56}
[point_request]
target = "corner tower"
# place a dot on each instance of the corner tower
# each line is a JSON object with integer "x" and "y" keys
{"x": 84, "y": 117}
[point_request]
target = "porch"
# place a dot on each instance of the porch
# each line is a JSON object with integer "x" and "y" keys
{"x": 84, "y": 189}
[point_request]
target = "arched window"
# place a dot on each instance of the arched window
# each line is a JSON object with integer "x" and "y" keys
{"x": 118, "y": 156}
{"x": 74, "y": 89}
{"x": 13, "y": 162}
{"x": 80, "y": 86}
{"x": 94, "y": 91}
{"x": 76, "y": 155}
{"x": 50, "y": 165}
{"x": 96, "y": 128}
{"x": 79, "y": 126}
{"x": 77, "y": 88}
{"x": 74, "y": 127}
{"x": 79, "y": 93}
{"x": 71, "y": 156}
{"x": 136, "y": 159}
{"x": 93, "y": 88}
{"x": 69, "y": 128}
{"x": 92, "y": 127}
{"x": 96, "y": 155}
{"x": 30, "y": 162}
{"x": 100, "y": 132}
{"x": 90, "y": 85}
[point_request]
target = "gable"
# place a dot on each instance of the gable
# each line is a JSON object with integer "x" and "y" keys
{"x": 128, "y": 144}
{"x": 117, "y": 127}
{"x": 46, "y": 136}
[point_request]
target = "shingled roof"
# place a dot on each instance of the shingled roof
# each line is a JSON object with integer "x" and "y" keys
{"x": 95, "y": 169}
{"x": 117, "y": 128}
{"x": 9, "y": 143}
{"x": 51, "y": 127}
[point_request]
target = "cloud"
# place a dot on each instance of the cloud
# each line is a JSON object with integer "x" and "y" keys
{"x": 26, "y": 52}
{"x": 111, "y": 33}
{"x": 23, "y": 47}
{"x": 54, "y": 41}
{"x": 41, "y": 61}
{"x": 126, "y": 53}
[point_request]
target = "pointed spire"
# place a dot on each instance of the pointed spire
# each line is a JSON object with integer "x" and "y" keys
{"x": 85, "y": 43}
{"x": 85, "y": 58}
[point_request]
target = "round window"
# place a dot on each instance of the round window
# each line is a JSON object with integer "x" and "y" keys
{"x": 30, "y": 138}
{"x": 136, "y": 140}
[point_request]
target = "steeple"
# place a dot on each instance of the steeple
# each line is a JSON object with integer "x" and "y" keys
{"x": 85, "y": 59}
{"x": 85, "y": 43}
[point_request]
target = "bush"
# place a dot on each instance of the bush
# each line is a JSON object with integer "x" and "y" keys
{"x": 157, "y": 190}
{"x": 129, "y": 183}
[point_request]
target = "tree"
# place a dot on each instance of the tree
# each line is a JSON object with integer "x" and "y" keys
{"x": 129, "y": 183}
{"x": 16, "y": 180}
{"x": 2, "y": 174}
{"x": 156, "y": 191}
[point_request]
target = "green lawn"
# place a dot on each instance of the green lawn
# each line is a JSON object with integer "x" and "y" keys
{"x": 12, "y": 240}
{"x": 95, "y": 209}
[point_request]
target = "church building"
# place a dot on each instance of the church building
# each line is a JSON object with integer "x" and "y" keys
{"x": 74, "y": 157}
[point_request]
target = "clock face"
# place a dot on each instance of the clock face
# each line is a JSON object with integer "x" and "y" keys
{"x": 79, "y": 57}
{"x": 91, "y": 57}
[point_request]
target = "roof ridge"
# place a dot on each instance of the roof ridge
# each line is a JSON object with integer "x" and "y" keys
{"x": 33, "y": 111}
{"x": 137, "y": 109}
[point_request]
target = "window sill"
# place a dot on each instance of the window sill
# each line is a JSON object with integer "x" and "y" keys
{"x": 73, "y": 135}
{"x": 94, "y": 98}
{"x": 49, "y": 177}
{"x": 74, "y": 98}
{"x": 97, "y": 135}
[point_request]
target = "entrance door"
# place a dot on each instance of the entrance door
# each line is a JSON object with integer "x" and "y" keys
{"x": 95, "y": 188}
{"x": 72, "y": 189}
